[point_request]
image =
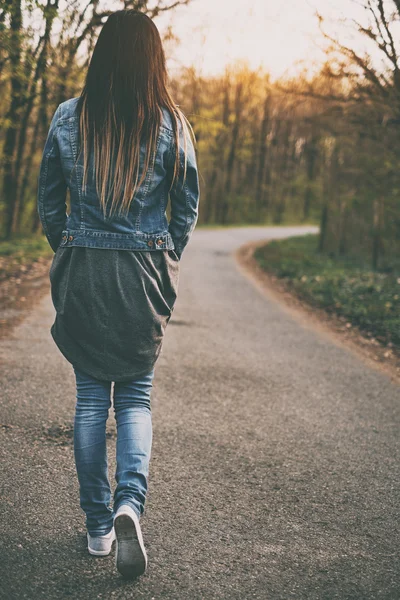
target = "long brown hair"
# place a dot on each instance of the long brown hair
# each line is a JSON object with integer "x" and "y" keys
{"x": 120, "y": 108}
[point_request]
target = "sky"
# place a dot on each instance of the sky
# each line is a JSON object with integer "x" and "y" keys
{"x": 277, "y": 35}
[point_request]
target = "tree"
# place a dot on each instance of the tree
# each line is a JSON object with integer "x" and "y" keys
{"x": 37, "y": 73}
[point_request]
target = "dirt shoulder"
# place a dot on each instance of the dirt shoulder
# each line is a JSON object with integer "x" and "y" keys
{"x": 370, "y": 350}
{"x": 21, "y": 287}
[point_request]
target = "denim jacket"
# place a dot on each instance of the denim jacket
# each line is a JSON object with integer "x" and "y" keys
{"x": 146, "y": 226}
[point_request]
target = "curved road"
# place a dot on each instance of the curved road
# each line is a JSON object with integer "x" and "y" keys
{"x": 275, "y": 462}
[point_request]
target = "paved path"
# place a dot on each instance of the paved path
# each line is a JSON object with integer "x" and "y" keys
{"x": 275, "y": 463}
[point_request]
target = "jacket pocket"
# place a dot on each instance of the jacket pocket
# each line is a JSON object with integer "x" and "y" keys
{"x": 174, "y": 255}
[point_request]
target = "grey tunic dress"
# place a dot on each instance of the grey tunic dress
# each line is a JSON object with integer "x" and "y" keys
{"x": 112, "y": 308}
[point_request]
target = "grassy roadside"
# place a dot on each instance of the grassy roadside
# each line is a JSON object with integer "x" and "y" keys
{"x": 288, "y": 223}
{"x": 366, "y": 299}
{"x": 24, "y": 267}
{"x": 19, "y": 254}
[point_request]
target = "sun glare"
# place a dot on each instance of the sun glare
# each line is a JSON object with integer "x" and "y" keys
{"x": 280, "y": 37}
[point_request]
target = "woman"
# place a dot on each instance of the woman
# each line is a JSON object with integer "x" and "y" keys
{"x": 123, "y": 149}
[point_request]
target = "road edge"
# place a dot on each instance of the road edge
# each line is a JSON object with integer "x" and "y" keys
{"x": 20, "y": 294}
{"x": 311, "y": 317}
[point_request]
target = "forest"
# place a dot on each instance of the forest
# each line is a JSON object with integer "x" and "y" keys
{"x": 319, "y": 147}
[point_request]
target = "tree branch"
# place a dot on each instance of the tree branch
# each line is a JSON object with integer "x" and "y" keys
{"x": 369, "y": 72}
{"x": 153, "y": 13}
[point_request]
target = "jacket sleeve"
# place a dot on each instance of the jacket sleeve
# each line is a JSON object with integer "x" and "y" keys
{"x": 52, "y": 187}
{"x": 185, "y": 196}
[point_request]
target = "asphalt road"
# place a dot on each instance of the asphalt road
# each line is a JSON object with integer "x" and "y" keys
{"x": 275, "y": 461}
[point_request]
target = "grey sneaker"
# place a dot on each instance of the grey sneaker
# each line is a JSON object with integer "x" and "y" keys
{"x": 101, "y": 545}
{"x": 131, "y": 557}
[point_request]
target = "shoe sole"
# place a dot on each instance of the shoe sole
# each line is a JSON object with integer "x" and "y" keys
{"x": 131, "y": 557}
{"x": 99, "y": 552}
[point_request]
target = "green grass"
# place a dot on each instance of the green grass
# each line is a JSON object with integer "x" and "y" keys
{"x": 26, "y": 248}
{"x": 367, "y": 299}
{"x": 22, "y": 251}
{"x": 294, "y": 223}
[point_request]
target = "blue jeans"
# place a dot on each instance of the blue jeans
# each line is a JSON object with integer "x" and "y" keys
{"x": 134, "y": 438}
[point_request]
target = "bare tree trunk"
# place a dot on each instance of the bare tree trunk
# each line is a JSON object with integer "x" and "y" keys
{"x": 9, "y": 179}
{"x": 50, "y": 13}
{"x": 232, "y": 152}
{"x": 214, "y": 200}
{"x": 210, "y": 197}
{"x": 377, "y": 242}
{"x": 323, "y": 227}
{"x": 26, "y": 177}
{"x": 311, "y": 153}
{"x": 262, "y": 153}
{"x": 284, "y": 171}
{"x": 330, "y": 192}
{"x": 343, "y": 232}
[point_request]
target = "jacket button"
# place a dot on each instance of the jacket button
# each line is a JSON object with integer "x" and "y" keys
{"x": 71, "y": 237}
{"x": 150, "y": 243}
{"x": 160, "y": 242}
